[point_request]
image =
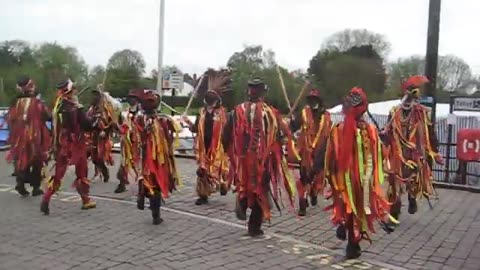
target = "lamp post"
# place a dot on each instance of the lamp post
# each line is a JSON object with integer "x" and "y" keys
{"x": 161, "y": 28}
{"x": 431, "y": 58}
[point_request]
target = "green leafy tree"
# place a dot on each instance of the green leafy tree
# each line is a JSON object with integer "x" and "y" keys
{"x": 255, "y": 61}
{"x": 125, "y": 71}
{"x": 336, "y": 72}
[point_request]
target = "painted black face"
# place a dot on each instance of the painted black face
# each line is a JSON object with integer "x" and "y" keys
{"x": 210, "y": 99}
{"x": 132, "y": 101}
{"x": 314, "y": 102}
{"x": 96, "y": 97}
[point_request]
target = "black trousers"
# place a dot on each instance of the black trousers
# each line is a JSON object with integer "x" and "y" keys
{"x": 32, "y": 174}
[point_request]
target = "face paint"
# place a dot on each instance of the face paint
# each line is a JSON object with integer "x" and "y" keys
{"x": 132, "y": 101}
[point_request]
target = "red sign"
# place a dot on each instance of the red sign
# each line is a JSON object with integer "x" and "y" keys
{"x": 468, "y": 144}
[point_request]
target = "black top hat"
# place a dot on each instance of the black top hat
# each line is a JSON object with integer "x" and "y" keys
{"x": 256, "y": 81}
{"x": 63, "y": 84}
{"x": 23, "y": 81}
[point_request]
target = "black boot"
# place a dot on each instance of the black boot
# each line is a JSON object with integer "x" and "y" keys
{"x": 255, "y": 221}
{"x": 341, "y": 233}
{"x": 201, "y": 200}
{"x": 155, "y": 203}
{"x": 141, "y": 195}
{"x": 302, "y": 205}
{"x": 20, "y": 187}
{"x": 313, "y": 200}
{"x": 105, "y": 173}
{"x": 120, "y": 188}
{"x": 412, "y": 205}
{"x": 37, "y": 191}
{"x": 223, "y": 189}
{"x": 353, "y": 251}
{"x": 241, "y": 209}
{"x": 44, "y": 208}
{"x": 396, "y": 208}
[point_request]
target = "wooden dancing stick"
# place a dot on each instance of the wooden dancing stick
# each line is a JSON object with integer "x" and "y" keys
{"x": 284, "y": 90}
{"x": 193, "y": 96}
{"x": 297, "y": 101}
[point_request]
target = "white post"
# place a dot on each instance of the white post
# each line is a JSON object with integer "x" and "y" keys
{"x": 161, "y": 28}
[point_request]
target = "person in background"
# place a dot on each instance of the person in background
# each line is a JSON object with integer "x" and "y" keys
{"x": 130, "y": 139}
{"x": 314, "y": 123}
{"x": 29, "y": 137}
{"x": 100, "y": 146}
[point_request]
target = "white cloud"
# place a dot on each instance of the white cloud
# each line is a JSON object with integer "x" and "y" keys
{"x": 202, "y": 33}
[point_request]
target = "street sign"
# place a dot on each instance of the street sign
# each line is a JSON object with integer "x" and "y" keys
{"x": 173, "y": 79}
{"x": 466, "y": 104}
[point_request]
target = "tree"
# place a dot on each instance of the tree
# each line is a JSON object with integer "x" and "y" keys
{"x": 336, "y": 72}
{"x": 96, "y": 75}
{"x": 344, "y": 40}
{"x": 454, "y": 74}
{"x": 255, "y": 61}
{"x": 125, "y": 70}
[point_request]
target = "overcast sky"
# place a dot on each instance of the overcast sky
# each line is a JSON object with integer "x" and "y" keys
{"x": 205, "y": 33}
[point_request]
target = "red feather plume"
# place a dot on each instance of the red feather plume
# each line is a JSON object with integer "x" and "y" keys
{"x": 414, "y": 82}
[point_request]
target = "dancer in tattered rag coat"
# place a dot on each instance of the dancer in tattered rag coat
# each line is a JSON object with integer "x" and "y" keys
{"x": 412, "y": 146}
{"x": 29, "y": 137}
{"x": 314, "y": 124}
{"x": 254, "y": 136}
{"x": 70, "y": 124}
{"x": 355, "y": 171}
{"x": 159, "y": 172}
{"x": 212, "y": 160}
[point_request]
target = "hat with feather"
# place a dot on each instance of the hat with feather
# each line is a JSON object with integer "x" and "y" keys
{"x": 411, "y": 86}
{"x": 213, "y": 84}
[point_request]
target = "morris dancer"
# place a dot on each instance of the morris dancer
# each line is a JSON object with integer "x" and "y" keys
{"x": 70, "y": 123}
{"x": 354, "y": 169}
{"x": 256, "y": 132}
{"x": 130, "y": 140}
{"x": 102, "y": 113}
{"x": 29, "y": 137}
{"x": 413, "y": 148}
{"x": 212, "y": 161}
{"x": 159, "y": 171}
{"x": 314, "y": 123}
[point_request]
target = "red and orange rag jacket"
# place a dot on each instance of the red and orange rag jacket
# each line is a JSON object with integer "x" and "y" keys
{"x": 101, "y": 147}
{"x": 158, "y": 134}
{"x": 357, "y": 191}
{"x": 130, "y": 143}
{"x": 29, "y": 137}
{"x": 208, "y": 143}
{"x": 413, "y": 145}
{"x": 70, "y": 124}
{"x": 254, "y": 136}
{"x": 313, "y": 133}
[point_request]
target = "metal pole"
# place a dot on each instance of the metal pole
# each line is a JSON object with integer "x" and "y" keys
{"x": 161, "y": 29}
{"x": 432, "y": 52}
